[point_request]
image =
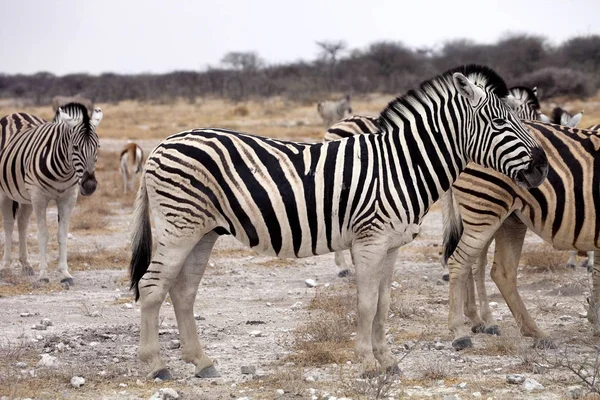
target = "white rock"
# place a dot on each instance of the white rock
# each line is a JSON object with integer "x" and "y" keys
{"x": 70, "y": 236}
{"x": 515, "y": 379}
{"x": 296, "y": 306}
{"x": 60, "y": 346}
{"x": 280, "y": 392}
{"x": 438, "y": 346}
{"x": 476, "y": 394}
{"x": 493, "y": 304}
{"x": 128, "y": 305}
{"x": 93, "y": 344}
{"x": 395, "y": 285}
{"x": 168, "y": 393}
{"x": 77, "y": 381}
{"x": 46, "y": 322}
{"x": 462, "y": 385}
{"x": 139, "y": 383}
{"x": 95, "y": 314}
{"x": 531, "y": 384}
{"x": 102, "y": 373}
{"x": 574, "y": 392}
{"x": 310, "y": 283}
{"x": 47, "y": 361}
{"x": 255, "y": 333}
{"x": 21, "y": 364}
{"x": 310, "y": 379}
{"x": 174, "y": 344}
{"x": 123, "y": 385}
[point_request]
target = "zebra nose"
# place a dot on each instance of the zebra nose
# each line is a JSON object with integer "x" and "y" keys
{"x": 537, "y": 171}
{"x": 88, "y": 184}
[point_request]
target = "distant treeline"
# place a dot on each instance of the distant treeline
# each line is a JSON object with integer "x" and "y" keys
{"x": 569, "y": 69}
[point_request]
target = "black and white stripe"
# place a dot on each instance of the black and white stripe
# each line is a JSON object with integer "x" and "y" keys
{"x": 42, "y": 161}
{"x": 365, "y": 192}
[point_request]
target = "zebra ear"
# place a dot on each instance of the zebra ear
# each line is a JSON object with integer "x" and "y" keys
{"x": 468, "y": 89}
{"x": 96, "y": 117}
{"x": 572, "y": 123}
{"x": 67, "y": 119}
{"x": 544, "y": 118}
{"x": 534, "y": 90}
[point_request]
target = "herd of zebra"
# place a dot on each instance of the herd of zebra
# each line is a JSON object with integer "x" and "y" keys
{"x": 463, "y": 135}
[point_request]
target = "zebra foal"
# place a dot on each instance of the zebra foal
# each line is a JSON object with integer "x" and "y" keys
{"x": 42, "y": 161}
{"x": 132, "y": 157}
{"x": 333, "y": 111}
{"x": 366, "y": 192}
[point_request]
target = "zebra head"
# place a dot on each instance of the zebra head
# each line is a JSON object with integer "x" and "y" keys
{"x": 526, "y": 104}
{"x": 84, "y": 143}
{"x": 561, "y": 116}
{"x": 498, "y": 139}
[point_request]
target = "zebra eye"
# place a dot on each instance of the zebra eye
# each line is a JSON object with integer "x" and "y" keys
{"x": 499, "y": 121}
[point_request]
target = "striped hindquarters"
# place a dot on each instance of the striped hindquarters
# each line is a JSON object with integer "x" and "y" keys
{"x": 351, "y": 126}
{"x": 16, "y": 122}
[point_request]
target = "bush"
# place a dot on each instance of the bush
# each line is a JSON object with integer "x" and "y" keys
{"x": 553, "y": 81}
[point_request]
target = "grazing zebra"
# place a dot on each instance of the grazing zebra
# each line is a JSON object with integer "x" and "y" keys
{"x": 482, "y": 205}
{"x": 560, "y": 116}
{"x": 132, "y": 157}
{"x": 333, "y": 111}
{"x": 525, "y": 105}
{"x": 365, "y": 192}
{"x": 43, "y": 161}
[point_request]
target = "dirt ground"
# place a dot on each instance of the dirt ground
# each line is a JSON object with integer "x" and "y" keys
{"x": 248, "y": 310}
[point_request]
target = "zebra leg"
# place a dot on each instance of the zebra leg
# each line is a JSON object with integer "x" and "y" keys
{"x": 65, "y": 205}
{"x": 593, "y": 315}
{"x": 381, "y": 350}
{"x": 509, "y": 243}
{"x": 370, "y": 266}
{"x": 342, "y": 264}
{"x": 183, "y": 294}
{"x": 589, "y": 261}
{"x": 167, "y": 261}
{"x": 470, "y": 307}
{"x": 40, "y": 204}
{"x": 490, "y": 325}
{"x": 572, "y": 257}
{"x": 23, "y": 223}
{"x": 8, "y": 219}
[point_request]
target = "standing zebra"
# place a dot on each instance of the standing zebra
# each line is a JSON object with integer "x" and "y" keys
{"x": 482, "y": 205}
{"x": 132, "y": 157}
{"x": 525, "y": 105}
{"x": 366, "y": 192}
{"x": 333, "y": 111}
{"x": 43, "y": 161}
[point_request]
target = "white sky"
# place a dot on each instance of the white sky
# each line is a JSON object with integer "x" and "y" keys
{"x": 133, "y": 36}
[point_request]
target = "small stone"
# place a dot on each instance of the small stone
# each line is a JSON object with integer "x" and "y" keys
{"x": 440, "y": 282}
{"x": 462, "y": 385}
{"x": 102, "y": 373}
{"x": 310, "y": 379}
{"x": 60, "y": 346}
{"x": 167, "y": 394}
{"x": 70, "y": 236}
{"x": 310, "y": 283}
{"x": 515, "y": 379}
{"x": 21, "y": 365}
{"x": 248, "y": 369}
{"x": 582, "y": 314}
{"x": 476, "y": 394}
{"x": 157, "y": 380}
{"x": 438, "y": 346}
{"x": 123, "y": 385}
{"x": 139, "y": 383}
{"x": 565, "y": 317}
{"x": 280, "y": 392}
{"x": 395, "y": 285}
{"x": 46, "y": 361}
{"x": 531, "y": 385}
{"x": 296, "y": 306}
{"x": 199, "y": 317}
{"x": 95, "y": 314}
{"x": 39, "y": 327}
{"x": 255, "y": 333}
{"x": 269, "y": 304}
{"x": 493, "y": 304}
{"x": 93, "y": 344}
{"x": 128, "y": 305}
{"x": 26, "y": 314}
{"x": 574, "y": 392}
{"x": 174, "y": 344}
{"x": 77, "y": 381}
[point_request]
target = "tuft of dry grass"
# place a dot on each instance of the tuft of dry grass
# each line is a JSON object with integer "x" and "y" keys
{"x": 543, "y": 258}
{"x": 435, "y": 370}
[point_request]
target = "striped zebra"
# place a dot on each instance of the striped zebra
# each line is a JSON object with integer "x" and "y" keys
{"x": 333, "y": 111}
{"x": 42, "y": 161}
{"x": 482, "y": 205}
{"x": 561, "y": 116}
{"x": 525, "y": 105}
{"x": 132, "y": 157}
{"x": 366, "y": 192}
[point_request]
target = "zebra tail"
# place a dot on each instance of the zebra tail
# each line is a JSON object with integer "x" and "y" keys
{"x": 141, "y": 239}
{"x": 453, "y": 226}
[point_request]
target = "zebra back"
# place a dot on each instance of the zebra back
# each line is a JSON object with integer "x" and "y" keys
{"x": 351, "y": 126}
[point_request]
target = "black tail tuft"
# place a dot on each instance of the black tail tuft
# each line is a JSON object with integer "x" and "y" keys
{"x": 453, "y": 226}
{"x": 141, "y": 239}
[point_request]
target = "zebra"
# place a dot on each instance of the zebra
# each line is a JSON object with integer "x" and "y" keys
{"x": 366, "y": 192}
{"x": 561, "y": 116}
{"x": 42, "y": 161}
{"x": 132, "y": 157}
{"x": 482, "y": 205}
{"x": 333, "y": 111}
{"x": 525, "y": 105}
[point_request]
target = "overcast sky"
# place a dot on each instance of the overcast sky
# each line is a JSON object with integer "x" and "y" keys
{"x": 133, "y": 36}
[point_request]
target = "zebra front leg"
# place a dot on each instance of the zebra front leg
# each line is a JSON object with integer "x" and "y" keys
{"x": 369, "y": 266}
{"x": 183, "y": 294}
{"x": 40, "y": 204}
{"x": 381, "y": 350}
{"x": 65, "y": 205}
{"x": 490, "y": 325}
{"x": 23, "y": 223}
{"x": 8, "y": 221}
{"x": 589, "y": 261}
{"x": 342, "y": 264}
{"x": 470, "y": 308}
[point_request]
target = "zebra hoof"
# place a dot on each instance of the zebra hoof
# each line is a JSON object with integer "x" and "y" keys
{"x": 544, "y": 343}
{"x": 208, "y": 372}
{"x": 446, "y": 277}
{"x": 344, "y": 273}
{"x": 462, "y": 343}
{"x": 493, "y": 330}
{"x": 479, "y": 328}
{"x": 67, "y": 282}
{"x": 162, "y": 374}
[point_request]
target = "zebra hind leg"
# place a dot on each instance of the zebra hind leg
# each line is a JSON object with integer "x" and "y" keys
{"x": 8, "y": 219}
{"x": 23, "y": 223}
{"x": 183, "y": 294}
{"x": 40, "y": 204}
{"x": 344, "y": 268}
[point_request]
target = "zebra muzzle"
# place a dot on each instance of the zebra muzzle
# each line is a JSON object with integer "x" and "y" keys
{"x": 536, "y": 172}
{"x": 88, "y": 184}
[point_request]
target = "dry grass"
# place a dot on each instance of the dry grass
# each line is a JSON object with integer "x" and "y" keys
{"x": 99, "y": 258}
{"x": 326, "y": 337}
{"x": 543, "y": 258}
{"x": 435, "y": 370}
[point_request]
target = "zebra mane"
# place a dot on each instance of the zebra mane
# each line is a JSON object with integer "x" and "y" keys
{"x": 74, "y": 110}
{"x": 556, "y": 115}
{"x": 525, "y": 95}
{"x": 480, "y": 75}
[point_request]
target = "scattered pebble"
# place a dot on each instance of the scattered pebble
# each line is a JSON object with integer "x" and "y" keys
{"x": 70, "y": 236}
{"x": 280, "y": 392}
{"x": 47, "y": 361}
{"x": 296, "y": 306}
{"x": 438, "y": 346}
{"x": 128, "y": 305}
{"x": 165, "y": 394}
{"x": 310, "y": 379}
{"x": 199, "y": 317}
{"x": 310, "y": 283}
{"x": 462, "y": 385}
{"x": 95, "y": 314}
{"x": 493, "y": 304}
{"x": 515, "y": 379}
{"x": 174, "y": 344}
{"x": 77, "y": 381}
{"x": 39, "y": 327}
{"x": 123, "y": 385}
{"x": 476, "y": 394}
{"x": 248, "y": 369}
{"x": 21, "y": 364}
{"x": 565, "y": 317}
{"x": 255, "y": 333}
{"x": 531, "y": 384}
{"x": 451, "y": 397}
